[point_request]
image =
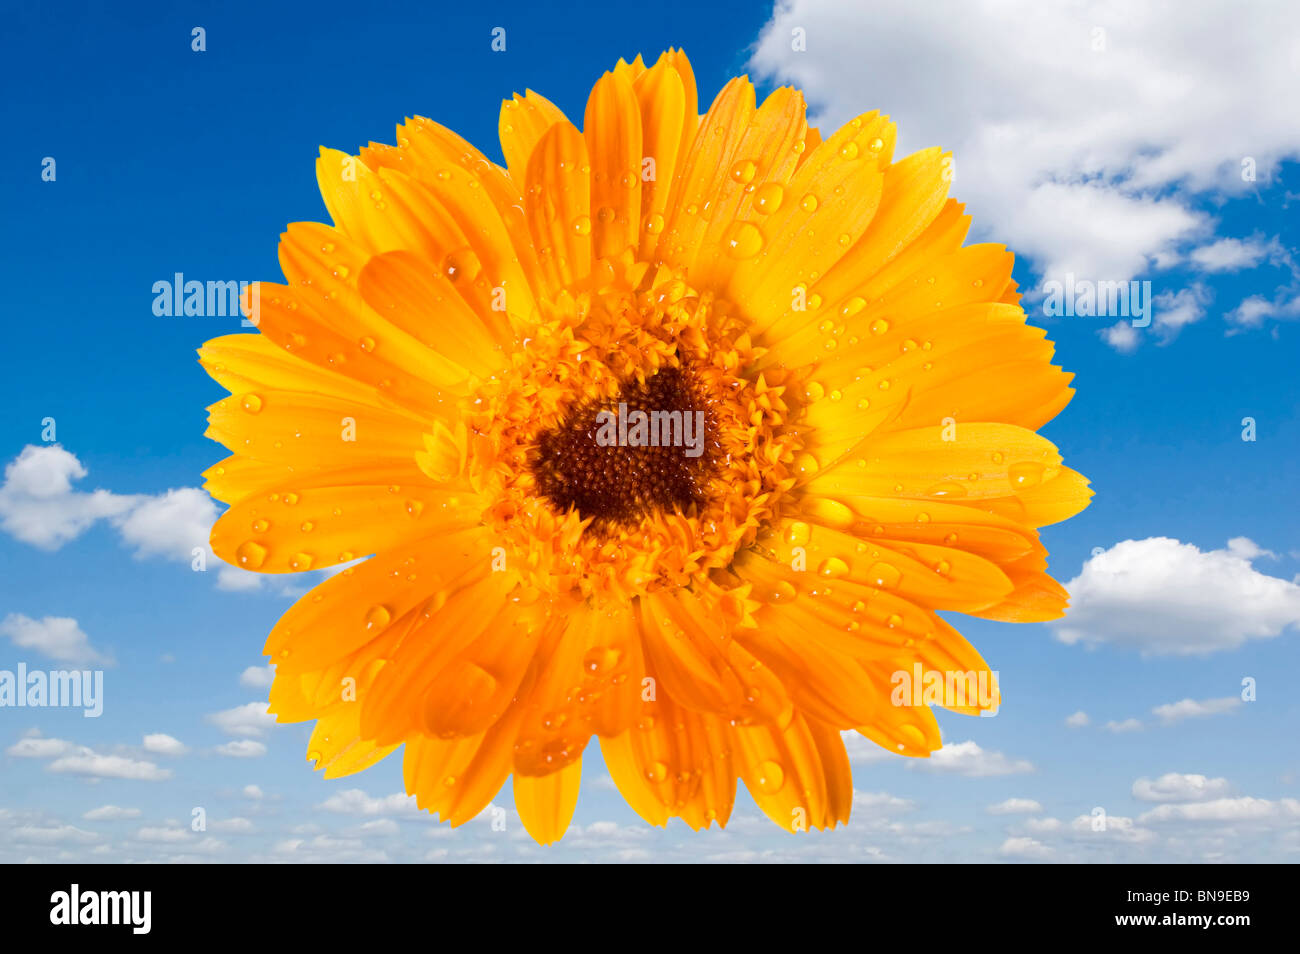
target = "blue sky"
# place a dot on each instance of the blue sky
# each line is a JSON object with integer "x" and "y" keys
{"x": 170, "y": 160}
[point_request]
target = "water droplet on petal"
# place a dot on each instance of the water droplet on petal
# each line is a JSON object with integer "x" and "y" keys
{"x": 743, "y": 240}
{"x": 743, "y": 170}
{"x": 771, "y": 777}
{"x": 250, "y": 555}
{"x": 768, "y": 198}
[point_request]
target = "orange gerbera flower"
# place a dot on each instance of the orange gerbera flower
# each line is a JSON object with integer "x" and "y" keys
{"x": 455, "y": 381}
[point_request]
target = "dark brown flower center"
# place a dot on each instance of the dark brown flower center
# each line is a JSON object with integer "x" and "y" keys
{"x": 652, "y": 448}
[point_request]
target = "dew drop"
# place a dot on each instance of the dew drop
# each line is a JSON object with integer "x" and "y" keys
{"x": 250, "y": 555}
{"x": 771, "y": 777}
{"x": 805, "y": 465}
{"x": 883, "y": 575}
{"x": 833, "y": 568}
{"x": 462, "y": 265}
{"x": 769, "y": 197}
{"x": 853, "y": 306}
{"x": 1025, "y": 475}
{"x": 743, "y": 170}
{"x": 743, "y": 240}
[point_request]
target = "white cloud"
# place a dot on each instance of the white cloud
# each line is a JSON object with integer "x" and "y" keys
{"x": 250, "y": 719}
{"x": 1116, "y": 828}
{"x": 51, "y": 834}
{"x": 354, "y": 801}
{"x": 161, "y": 744}
{"x": 35, "y": 747}
{"x": 1253, "y": 311}
{"x": 232, "y": 826}
{"x": 170, "y": 525}
{"x": 91, "y": 764}
{"x": 1233, "y": 254}
{"x": 1015, "y": 806}
{"x": 380, "y": 827}
{"x": 1173, "y": 712}
{"x": 861, "y": 750}
{"x": 254, "y": 792}
{"x": 110, "y": 813}
{"x": 1174, "y": 311}
{"x": 967, "y": 758}
{"x": 1164, "y": 597}
{"x": 257, "y": 677}
{"x": 1078, "y": 720}
{"x": 879, "y": 803}
{"x": 1121, "y": 336}
{"x": 1128, "y": 725}
{"x": 168, "y": 835}
{"x": 1243, "y": 809}
{"x": 1177, "y": 787}
{"x": 1095, "y": 164}
{"x": 1024, "y": 847}
{"x": 58, "y": 637}
{"x": 241, "y": 749}
{"x": 39, "y": 506}
{"x": 1042, "y": 826}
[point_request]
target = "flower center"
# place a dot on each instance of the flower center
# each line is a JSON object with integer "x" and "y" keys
{"x": 651, "y": 448}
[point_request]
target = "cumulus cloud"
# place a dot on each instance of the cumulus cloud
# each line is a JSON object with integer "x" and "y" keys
{"x": 257, "y": 677}
{"x": 1234, "y": 254}
{"x": 879, "y": 803}
{"x": 1127, "y": 725}
{"x": 1015, "y": 806}
{"x": 1121, "y": 336}
{"x": 241, "y": 749}
{"x": 70, "y": 759}
{"x": 88, "y": 763}
{"x": 1256, "y": 309}
{"x": 232, "y": 826}
{"x": 354, "y": 801}
{"x": 39, "y": 505}
{"x": 1161, "y": 596}
{"x": 51, "y": 834}
{"x": 1243, "y": 809}
{"x": 1177, "y": 787}
{"x": 250, "y": 719}
{"x": 1077, "y": 720}
{"x": 160, "y": 744}
{"x": 967, "y": 758}
{"x": 1173, "y": 712}
{"x": 1175, "y": 310}
{"x": 1131, "y": 114}
{"x": 1022, "y": 846}
{"x": 59, "y": 637}
{"x": 110, "y": 813}
{"x": 35, "y": 747}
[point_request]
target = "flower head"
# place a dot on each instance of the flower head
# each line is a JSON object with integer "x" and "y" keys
{"x": 676, "y": 431}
